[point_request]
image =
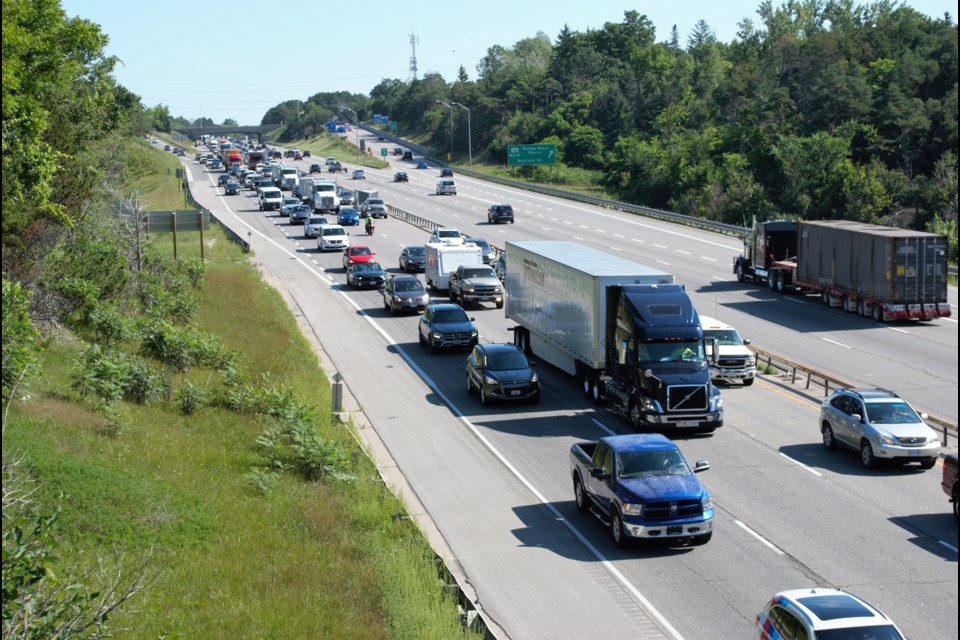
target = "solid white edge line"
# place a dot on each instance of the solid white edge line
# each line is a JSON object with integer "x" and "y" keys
{"x": 802, "y": 466}
{"x": 759, "y": 537}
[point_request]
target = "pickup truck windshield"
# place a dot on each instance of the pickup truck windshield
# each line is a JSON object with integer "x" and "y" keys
{"x": 477, "y": 273}
{"x": 646, "y": 464}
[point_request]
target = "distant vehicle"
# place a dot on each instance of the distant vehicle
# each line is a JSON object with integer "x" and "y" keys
{"x": 500, "y": 266}
{"x": 231, "y": 188}
{"x": 397, "y": 151}
{"x": 311, "y": 228}
{"x": 404, "y": 293}
{"x": 332, "y": 237}
{"x": 298, "y": 156}
{"x": 413, "y": 259}
{"x": 446, "y": 188}
{"x": 330, "y": 160}
{"x": 381, "y": 138}
{"x": 446, "y": 235}
{"x": 475, "y": 283}
{"x": 445, "y": 325}
{"x": 880, "y": 425}
{"x": 347, "y": 197}
{"x": 500, "y": 213}
{"x": 422, "y": 164}
{"x": 366, "y": 275}
{"x": 407, "y": 155}
{"x": 817, "y": 612}
{"x": 358, "y": 174}
{"x": 501, "y": 372}
{"x": 358, "y": 253}
{"x": 374, "y": 207}
{"x": 735, "y": 361}
{"x": 306, "y": 153}
{"x": 401, "y": 176}
{"x": 288, "y": 204}
{"x": 299, "y": 214}
{"x": 289, "y": 153}
{"x": 484, "y": 247}
{"x": 223, "y": 179}
{"x": 315, "y": 168}
{"x": 336, "y": 167}
{"x": 348, "y": 217}
{"x": 446, "y": 172}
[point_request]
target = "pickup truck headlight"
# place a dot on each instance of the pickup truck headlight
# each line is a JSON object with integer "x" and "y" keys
{"x": 468, "y": 289}
{"x": 534, "y": 378}
{"x": 708, "y": 503}
{"x": 751, "y": 361}
{"x": 630, "y": 509}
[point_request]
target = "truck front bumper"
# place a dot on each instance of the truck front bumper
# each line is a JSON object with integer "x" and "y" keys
{"x": 669, "y": 530}
{"x": 728, "y": 375}
{"x": 700, "y": 421}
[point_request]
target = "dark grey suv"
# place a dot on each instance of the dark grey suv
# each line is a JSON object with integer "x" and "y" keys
{"x": 446, "y": 325}
{"x": 500, "y": 213}
{"x": 501, "y": 372}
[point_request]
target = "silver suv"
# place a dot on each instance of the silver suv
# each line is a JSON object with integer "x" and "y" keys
{"x": 878, "y": 424}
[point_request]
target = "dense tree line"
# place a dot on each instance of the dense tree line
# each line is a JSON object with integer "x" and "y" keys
{"x": 818, "y": 110}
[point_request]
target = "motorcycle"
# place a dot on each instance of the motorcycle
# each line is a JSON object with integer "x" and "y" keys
{"x": 370, "y": 228}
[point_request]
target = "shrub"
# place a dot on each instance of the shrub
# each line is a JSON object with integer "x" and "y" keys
{"x": 191, "y": 398}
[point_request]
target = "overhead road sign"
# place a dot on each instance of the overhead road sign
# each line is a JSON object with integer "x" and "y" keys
{"x": 521, "y": 154}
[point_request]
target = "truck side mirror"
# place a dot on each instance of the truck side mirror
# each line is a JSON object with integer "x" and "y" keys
{"x": 746, "y": 341}
{"x": 714, "y": 350}
{"x": 599, "y": 473}
{"x": 701, "y": 465}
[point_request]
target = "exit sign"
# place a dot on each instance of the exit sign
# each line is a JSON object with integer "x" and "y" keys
{"x": 521, "y": 154}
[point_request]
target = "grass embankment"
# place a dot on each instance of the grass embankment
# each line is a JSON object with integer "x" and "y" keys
{"x": 327, "y": 144}
{"x": 320, "y": 559}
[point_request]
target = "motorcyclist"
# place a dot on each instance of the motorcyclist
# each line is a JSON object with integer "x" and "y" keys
{"x": 368, "y": 224}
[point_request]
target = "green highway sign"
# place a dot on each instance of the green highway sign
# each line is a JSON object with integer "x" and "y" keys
{"x": 383, "y": 152}
{"x": 518, "y": 154}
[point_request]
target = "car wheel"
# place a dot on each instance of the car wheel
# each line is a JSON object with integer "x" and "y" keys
{"x": 929, "y": 463}
{"x": 420, "y": 335}
{"x": 866, "y": 455}
{"x": 616, "y": 529}
{"x": 829, "y": 441}
{"x": 500, "y": 305}
{"x": 469, "y": 384}
{"x": 748, "y": 381}
{"x": 483, "y": 395}
{"x": 536, "y": 397}
{"x": 580, "y": 495}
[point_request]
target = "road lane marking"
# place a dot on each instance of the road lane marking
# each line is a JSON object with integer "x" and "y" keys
{"x": 839, "y": 344}
{"x": 662, "y": 262}
{"x": 803, "y": 466}
{"x": 947, "y": 545}
{"x": 708, "y": 258}
{"x": 759, "y": 537}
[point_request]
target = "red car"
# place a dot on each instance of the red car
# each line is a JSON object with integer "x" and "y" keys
{"x": 356, "y": 254}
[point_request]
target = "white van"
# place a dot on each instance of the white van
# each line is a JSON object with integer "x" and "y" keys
{"x": 332, "y": 237}
{"x": 735, "y": 361}
{"x": 270, "y": 198}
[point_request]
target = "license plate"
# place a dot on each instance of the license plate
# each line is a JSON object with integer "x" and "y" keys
{"x": 674, "y": 531}
{"x": 687, "y": 423}
{"x": 915, "y": 452}
{"x": 515, "y": 392}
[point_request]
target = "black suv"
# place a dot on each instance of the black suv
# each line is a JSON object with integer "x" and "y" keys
{"x": 407, "y": 155}
{"x": 500, "y": 213}
{"x": 401, "y": 176}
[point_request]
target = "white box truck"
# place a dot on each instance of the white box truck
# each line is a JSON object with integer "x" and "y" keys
{"x": 630, "y": 335}
{"x": 443, "y": 259}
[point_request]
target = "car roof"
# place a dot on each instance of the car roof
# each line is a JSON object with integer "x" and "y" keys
{"x": 832, "y": 608}
{"x": 871, "y": 394}
{"x": 496, "y": 347}
{"x": 707, "y": 322}
{"x": 404, "y": 276}
{"x": 437, "y": 306}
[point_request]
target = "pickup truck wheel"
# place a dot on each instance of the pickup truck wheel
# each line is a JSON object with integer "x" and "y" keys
{"x": 829, "y": 441}
{"x": 635, "y": 414}
{"x": 580, "y": 495}
{"x": 748, "y": 381}
{"x": 866, "y": 455}
{"x": 616, "y": 529}
{"x": 500, "y": 305}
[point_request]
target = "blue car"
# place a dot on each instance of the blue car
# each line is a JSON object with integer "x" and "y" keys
{"x": 348, "y": 217}
{"x": 423, "y": 165}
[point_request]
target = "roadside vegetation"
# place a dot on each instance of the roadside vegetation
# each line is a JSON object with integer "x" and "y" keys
{"x": 171, "y": 467}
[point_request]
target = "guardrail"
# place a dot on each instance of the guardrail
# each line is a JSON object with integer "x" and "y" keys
{"x": 794, "y": 372}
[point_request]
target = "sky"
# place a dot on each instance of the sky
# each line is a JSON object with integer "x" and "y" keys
{"x": 237, "y": 59}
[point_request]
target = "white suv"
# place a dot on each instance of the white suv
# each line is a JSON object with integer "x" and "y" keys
{"x": 332, "y": 237}
{"x": 734, "y": 360}
{"x": 821, "y": 613}
{"x": 446, "y": 235}
{"x": 446, "y": 188}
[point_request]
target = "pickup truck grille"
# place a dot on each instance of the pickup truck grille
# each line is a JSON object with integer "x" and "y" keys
{"x": 685, "y": 397}
{"x": 734, "y": 363}
{"x": 486, "y": 290}
{"x": 672, "y": 509}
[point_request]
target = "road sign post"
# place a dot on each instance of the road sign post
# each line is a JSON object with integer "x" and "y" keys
{"x": 524, "y": 154}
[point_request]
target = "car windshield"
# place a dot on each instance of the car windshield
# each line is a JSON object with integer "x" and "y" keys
{"x": 408, "y": 285}
{"x": 673, "y": 351}
{"x": 336, "y": 231}
{"x": 415, "y": 251}
{"x": 643, "y": 464}
{"x": 724, "y": 337}
{"x": 317, "y": 220}
{"x": 448, "y": 233}
{"x": 450, "y": 315}
{"x": 369, "y": 266}
{"x": 506, "y": 361}
{"x": 477, "y": 273}
{"x": 360, "y": 251}
{"x": 891, "y": 413}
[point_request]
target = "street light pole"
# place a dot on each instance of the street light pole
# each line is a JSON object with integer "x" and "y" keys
{"x": 469, "y": 135}
{"x": 451, "y": 127}
{"x": 356, "y": 127}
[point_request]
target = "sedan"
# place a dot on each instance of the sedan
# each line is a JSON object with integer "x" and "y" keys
{"x": 364, "y": 275}
{"x": 445, "y": 325}
{"x": 358, "y": 174}
{"x": 223, "y": 179}
{"x": 348, "y": 217}
{"x": 404, "y": 293}
{"x": 358, "y": 254}
{"x": 413, "y": 259}
{"x": 880, "y": 425}
{"x": 501, "y": 372}
{"x": 288, "y": 204}
{"x": 446, "y": 172}
{"x": 299, "y": 214}
{"x": 231, "y": 188}
{"x": 422, "y": 164}
{"x": 311, "y": 228}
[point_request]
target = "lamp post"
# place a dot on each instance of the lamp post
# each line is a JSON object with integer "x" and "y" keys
{"x": 356, "y": 128}
{"x": 451, "y": 126}
{"x": 469, "y": 135}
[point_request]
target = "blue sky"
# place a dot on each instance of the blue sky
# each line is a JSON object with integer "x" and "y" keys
{"x": 237, "y": 59}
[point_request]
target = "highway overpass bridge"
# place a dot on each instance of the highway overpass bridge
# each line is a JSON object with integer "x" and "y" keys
{"x": 253, "y": 130}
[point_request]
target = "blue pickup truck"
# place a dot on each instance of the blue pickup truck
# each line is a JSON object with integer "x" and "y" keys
{"x": 641, "y": 486}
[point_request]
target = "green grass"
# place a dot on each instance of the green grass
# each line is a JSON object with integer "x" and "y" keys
{"x": 327, "y": 144}
{"x": 304, "y": 560}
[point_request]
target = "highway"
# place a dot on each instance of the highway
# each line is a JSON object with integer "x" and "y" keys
{"x": 495, "y": 480}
